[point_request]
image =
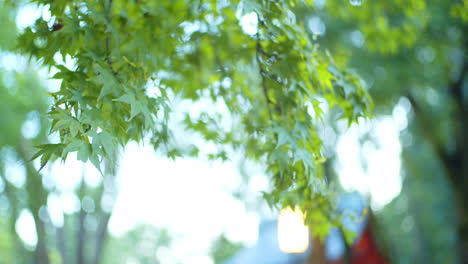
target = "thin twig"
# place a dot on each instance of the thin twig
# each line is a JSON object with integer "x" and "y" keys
{"x": 263, "y": 73}
{"x": 108, "y": 50}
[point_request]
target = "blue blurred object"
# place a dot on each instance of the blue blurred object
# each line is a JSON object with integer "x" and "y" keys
{"x": 266, "y": 251}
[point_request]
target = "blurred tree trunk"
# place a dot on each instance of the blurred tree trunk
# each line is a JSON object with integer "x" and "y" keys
{"x": 101, "y": 237}
{"x": 457, "y": 162}
{"x": 454, "y": 161}
{"x": 61, "y": 244}
{"x": 36, "y": 199}
{"x": 21, "y": 252}
{"x": 42, "y": 256}
{"x": 81, "y": 230}
{"x": 101, "y": 234}
{"x": 462, "y": 212}
{"x": 317, "y": 256}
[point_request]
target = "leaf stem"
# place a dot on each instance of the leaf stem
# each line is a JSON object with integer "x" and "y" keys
{"x": 263, "y": 74}
{"x": 108, "y": 50}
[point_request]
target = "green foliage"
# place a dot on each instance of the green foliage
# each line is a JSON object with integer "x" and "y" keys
{"x": 413, "y": 53}
{"x": 133, "y": 60}
{"x": 223, "y": 249}
{"x": 387, "y": 26}
{"x": 130, "y": 58}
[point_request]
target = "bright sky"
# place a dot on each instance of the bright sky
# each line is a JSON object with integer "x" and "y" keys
{"x": 192, "y": 198}
{"x": 381, "y": 179}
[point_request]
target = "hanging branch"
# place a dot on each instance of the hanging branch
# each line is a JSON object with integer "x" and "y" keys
{"x": 258, "y": 52}
{"x": 263, "y": 72}
{"x": 108, "y": 50}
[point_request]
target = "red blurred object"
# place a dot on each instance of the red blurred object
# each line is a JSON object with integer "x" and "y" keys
{"x": 57, "y": 26}
{"x": 365, "y": 251}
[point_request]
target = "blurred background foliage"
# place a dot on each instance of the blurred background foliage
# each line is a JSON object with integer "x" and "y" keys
{"x": 412, "y": 54}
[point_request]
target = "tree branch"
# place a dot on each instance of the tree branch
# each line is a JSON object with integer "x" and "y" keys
{"x": 108, "y": 50}
{"x": 428, "y": 131}
{"x": 262, "y": 71}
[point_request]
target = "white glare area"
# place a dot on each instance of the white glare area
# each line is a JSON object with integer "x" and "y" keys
{"x": 92, "y": 177}
{"x": 15, "y": 173}
{"x": 249, "y": 23}
{"x": 258, "y": 183}
{"x": 13, "y": 62}
{"x": 31, "y": 126}
{"x": 67, "y": 175}
{"x": 357, "y": 38}
{"x": 355, "y": 2}
{"x": 197, "y": 260}
{"x": 244, "y": 228}
{"x": 66, "y": 61}
{"x": 399, "y": 114}
{"x": 66, "y": 178}
{"x": 380, "y": 177}
{"x": 27, "y": 16}
{"x": 69, "y": 202}
{"x": 426, "y": 54}
{"x": 54, "y": 207}
{"x": 293, "y": 235}
{"x": 190, "y": 197}
{"x": 9, "y": 80}
{"x": 46, "y": 14}
{"x": 26, "y": 229}
{"x": 2, "y": 185}
{"x": 52, "y": 85}
{"x": 320, "y": 4}
{"x": 316, "y": 25}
